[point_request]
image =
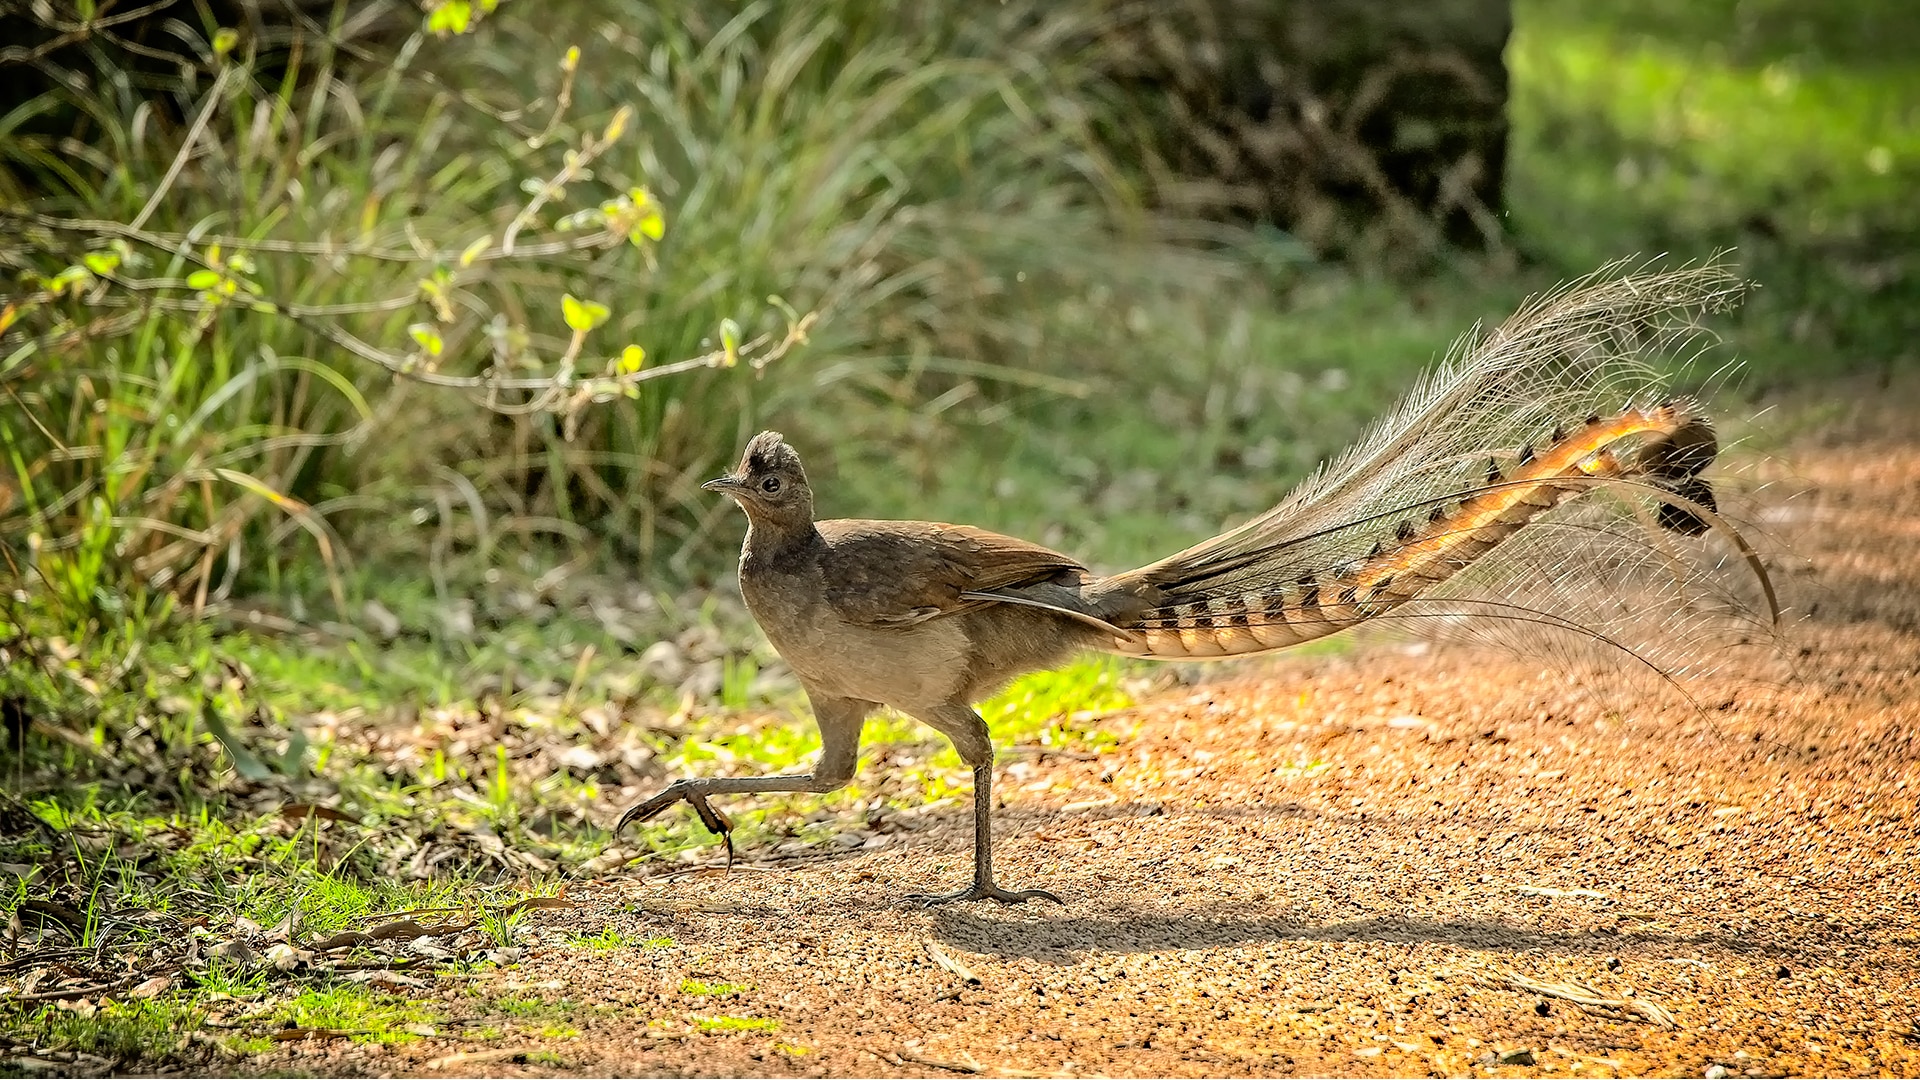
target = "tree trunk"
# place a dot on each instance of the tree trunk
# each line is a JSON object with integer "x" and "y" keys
{"x": 1333, "y": 119}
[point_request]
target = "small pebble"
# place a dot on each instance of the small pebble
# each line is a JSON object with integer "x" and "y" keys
{"x": 1781, "y": 972}
{"x": 1716, "y": 1072}
{"x": 1516, "y": 1057}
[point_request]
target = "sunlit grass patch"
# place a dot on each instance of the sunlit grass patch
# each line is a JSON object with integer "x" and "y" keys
{"x": 729, "y": 1024}
{"x": 351, "y": 1007}
{"x": 701, "y": 988}
{"x": 607, "y": 938}
{"x": 1055, "y": 706}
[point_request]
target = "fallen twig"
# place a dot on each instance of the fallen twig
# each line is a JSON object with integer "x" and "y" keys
{"x": 968, "y": 1066}
{"x": 403, "y": 929}
{"x": 299, "y": 1033}
{"x": 946, "y": 961}
{"x": 1591, "y": 1000}
{"x": 478, "y": 1057}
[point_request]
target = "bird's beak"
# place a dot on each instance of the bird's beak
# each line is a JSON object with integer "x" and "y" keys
{"x": 727, "y": 483}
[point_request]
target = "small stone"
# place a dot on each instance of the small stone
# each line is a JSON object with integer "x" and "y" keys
{"x": 1541, "y": 1008}
{"x": 1716, "y": 1072}
{"x": 236, "y": 951}
{"x": 1613, "y": 963}
{"x": 1781, "y": 972}
{"x": 385, "y": 623}
{"x": 1516, "y": 1057}
{"x": 611, "y": 859}
{"x": 285, "y": 957}
{"x": 663, "y": 662}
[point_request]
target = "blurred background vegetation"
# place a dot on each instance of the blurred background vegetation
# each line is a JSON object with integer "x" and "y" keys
{"x": 359, "y": 362}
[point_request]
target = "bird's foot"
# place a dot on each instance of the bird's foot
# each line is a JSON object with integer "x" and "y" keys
{"x": 689, "y": 792}
{"x": 984, "y": 890}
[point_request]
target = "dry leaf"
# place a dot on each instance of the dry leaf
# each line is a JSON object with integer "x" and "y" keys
{"x": 299, "y": 811}
{"x": 151, "y": 988}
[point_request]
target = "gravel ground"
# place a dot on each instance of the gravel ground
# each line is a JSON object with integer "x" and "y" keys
{"x": 1373, "y": 864}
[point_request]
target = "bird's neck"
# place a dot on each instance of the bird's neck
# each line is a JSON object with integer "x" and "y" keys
{"x": 775, "y": 543}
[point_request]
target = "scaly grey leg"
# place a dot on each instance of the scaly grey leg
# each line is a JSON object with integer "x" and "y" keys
{"x": 839, "y": 720}
{"x": 969, "y": 734}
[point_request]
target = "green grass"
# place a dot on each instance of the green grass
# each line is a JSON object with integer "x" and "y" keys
{"x": 700, "y": 988}
{"x": 117, "y": 1031}
{"x": 1787, "y": 130}
{"x": 372, "y": 1017}
{"x": 733, "y": 1024}
{"x": 608, "y": 939}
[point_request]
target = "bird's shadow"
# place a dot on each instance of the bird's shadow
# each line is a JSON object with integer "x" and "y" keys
{"x": 1062, "y": 940}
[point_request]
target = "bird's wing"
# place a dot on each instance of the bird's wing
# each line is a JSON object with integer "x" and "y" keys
{"x": 901, "y": 573}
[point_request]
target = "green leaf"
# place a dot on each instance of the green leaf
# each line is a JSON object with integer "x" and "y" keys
{"x": 582, "y": 315}
{"x": 71, "y": 276}
{"x": 245, "y": 762}
{"x": 730, "y": 342}
{"x": 572, "y": 59}
{"x": 618, "y": 125}
{"x": 474, "y": 251}
{"x": 632, "y": 359}
{"x": 224, "y": 39}
{"x": 203, "y": 279}
{"x": 102, "y": 263}
{"x": 452, "y": 16}
{"x": 652, "y": 225}
{"x": 427, "y": 337}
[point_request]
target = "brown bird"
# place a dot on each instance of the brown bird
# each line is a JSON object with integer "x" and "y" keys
{"x": 1553, "y": 410}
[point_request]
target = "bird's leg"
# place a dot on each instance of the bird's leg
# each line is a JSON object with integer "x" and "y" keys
{"x": 839, "y": 720}
{"x": 984, "y": 887}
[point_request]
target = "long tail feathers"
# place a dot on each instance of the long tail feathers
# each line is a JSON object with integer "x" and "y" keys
{"x": 1508, "y": 436}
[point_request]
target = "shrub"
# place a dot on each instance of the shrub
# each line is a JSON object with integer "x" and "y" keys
{"x": 494, "y": 287}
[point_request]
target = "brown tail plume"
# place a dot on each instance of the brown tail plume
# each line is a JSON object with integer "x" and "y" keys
{"x": 1522, "y": 433}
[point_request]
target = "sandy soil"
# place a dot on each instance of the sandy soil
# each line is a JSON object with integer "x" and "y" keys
{"x": 1368, "y": 864}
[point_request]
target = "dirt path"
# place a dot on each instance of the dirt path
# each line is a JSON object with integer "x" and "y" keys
{"x": 1352, "y": 865}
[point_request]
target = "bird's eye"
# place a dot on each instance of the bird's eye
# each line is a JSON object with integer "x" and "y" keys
{"x": 770, "y": 485}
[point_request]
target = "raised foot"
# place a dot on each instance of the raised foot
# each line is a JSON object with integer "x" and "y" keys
{"x": 984, "y": 890}
{"x": 687, "y": 791}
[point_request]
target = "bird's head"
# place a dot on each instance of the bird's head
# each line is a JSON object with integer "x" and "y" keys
{"x": 769, "y": 483}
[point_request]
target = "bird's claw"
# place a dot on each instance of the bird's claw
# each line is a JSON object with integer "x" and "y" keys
{"x": 686, "y": 791}
{"x": 984, "y": 890}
